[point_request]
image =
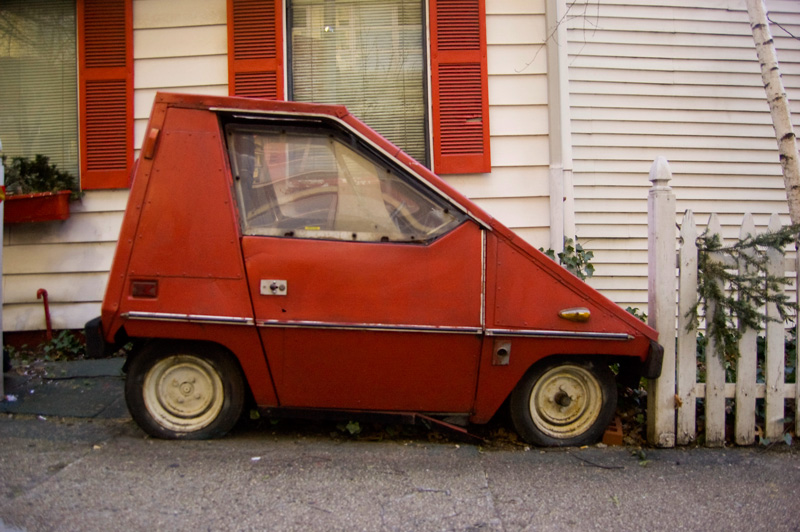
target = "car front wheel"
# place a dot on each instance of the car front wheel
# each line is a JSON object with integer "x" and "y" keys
{"x": 184, "y": 391}
{"x": 564, "y": 403}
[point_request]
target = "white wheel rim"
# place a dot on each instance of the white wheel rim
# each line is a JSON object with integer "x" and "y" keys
{"x": 565, "y": 402}
{"x": 183, "y": 393}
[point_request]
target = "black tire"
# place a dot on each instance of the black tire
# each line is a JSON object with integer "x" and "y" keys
{"x": 564, "y": 403}
{"x": 184, "y": 390}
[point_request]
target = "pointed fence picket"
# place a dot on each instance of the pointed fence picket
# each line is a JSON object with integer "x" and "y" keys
{"x": 715, "y": 393}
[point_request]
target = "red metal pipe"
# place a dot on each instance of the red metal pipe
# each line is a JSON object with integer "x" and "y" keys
{"x": 42, "y": 294}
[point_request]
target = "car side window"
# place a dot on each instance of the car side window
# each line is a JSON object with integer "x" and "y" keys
{"x": 309, "y": 184}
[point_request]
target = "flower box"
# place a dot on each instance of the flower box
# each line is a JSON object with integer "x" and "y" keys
{"x": 37, "y": 207}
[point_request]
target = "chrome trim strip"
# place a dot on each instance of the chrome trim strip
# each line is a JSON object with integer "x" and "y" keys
{"x": 188, "y": 318}
{"x": 530, "y": 333}
{"x": 244, "y": 112}
{"x": 378, "y": 327}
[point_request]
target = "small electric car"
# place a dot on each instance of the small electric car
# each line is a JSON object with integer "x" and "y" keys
{"x": 285, "y": 254}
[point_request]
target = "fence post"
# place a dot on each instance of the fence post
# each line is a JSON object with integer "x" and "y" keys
{"x": 744, "y": 423}
{"x": 715, "y": 365}
{"x": 775, "y": 357}
{"x": 686, "y": 357}
{"x": 661, "y": 238}
{"x": 797, "y": 334}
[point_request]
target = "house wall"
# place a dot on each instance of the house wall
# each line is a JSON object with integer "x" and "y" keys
{"x": 516, "y": 191}
{"x": 181, "y": 46}
{"x": 652, "y": 78}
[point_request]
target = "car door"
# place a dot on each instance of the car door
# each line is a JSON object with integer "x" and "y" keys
{"x": 366, "y": 283}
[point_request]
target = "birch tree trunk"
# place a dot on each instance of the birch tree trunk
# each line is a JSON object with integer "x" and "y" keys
{"x": 778, "y": 104}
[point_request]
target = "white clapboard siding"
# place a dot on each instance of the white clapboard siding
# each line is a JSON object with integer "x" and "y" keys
{"x": 520, "y": 151}
{"x": 81, "y": 227}
{"x": 30, "y": 317}
{"x": 85, "y": 287}
{"x": 57, "y": 258}
{"x": 615, "y": 283}
{"x": 538, "y": 235}
{"x": 151, "y": 43}
{"x": 143, "y": 98}
{"x": 514, "y": 59}
{"x": 627, "y": 231}
{"x": 180, "y": 71}
{"x": 605, "y": 118}
{"x": 518, "y": 213}
{"x": 685, "y": 181}
{"x": 101, "y": 201}
{"x": 703, "y": 128}
{"x": 518, "y": 89}
{"x": 515, "y": 7}
{"x": 518, "y": 120}
{"x": 514, "y": 28}
{"x": 506, "y": 182}
{"x": 180, "y": 46}
{"x": 516, "y": 191}
{"x": 178, "y": 13}
{"x": 72, "y": 274}
{"x": 637, "y": 97}
{"x": 69, "y": 259}
{"x": 611, "y": 142}
{"x": 676, "y": 79}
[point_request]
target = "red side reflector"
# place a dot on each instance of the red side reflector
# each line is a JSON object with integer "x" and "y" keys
{"x": 144, "y": 289}
{"x": 149, "y": 147}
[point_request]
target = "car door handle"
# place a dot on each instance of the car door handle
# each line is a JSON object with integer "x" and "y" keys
{"x": 274, "y": 287}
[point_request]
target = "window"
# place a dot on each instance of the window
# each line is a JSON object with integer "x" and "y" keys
{"x": 38, "y": 81}
{"x": 66, "y": 86}
{"x": 324, "y": 61}
{"x": 307, "y": 183}
{"x": 368, "y": 56}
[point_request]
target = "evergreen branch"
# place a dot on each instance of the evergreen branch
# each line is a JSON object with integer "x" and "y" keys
{"x": 732, "y": 300}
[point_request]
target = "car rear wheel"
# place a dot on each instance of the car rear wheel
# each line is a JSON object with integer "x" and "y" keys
{"x": 184, "y": 391}
{"x": 564, "y": 403}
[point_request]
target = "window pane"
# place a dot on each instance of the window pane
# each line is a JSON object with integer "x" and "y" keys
{"x": 367, "y": 55}
{"x": 38, "y": 81}
{"x": 311, "y": 185}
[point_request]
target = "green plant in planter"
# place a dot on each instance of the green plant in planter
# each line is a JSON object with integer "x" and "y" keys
{"x": 26, "y": 176}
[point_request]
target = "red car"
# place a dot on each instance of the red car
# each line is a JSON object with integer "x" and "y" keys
{"x": 286, "y": 254}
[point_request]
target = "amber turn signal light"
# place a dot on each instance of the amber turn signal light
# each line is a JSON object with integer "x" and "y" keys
{"x": 575, "y": 314}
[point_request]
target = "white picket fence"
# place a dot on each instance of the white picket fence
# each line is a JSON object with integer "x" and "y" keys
{"x": 673, "y": 398}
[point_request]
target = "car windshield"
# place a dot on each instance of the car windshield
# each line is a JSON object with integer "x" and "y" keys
{"x": 310, "y": 184}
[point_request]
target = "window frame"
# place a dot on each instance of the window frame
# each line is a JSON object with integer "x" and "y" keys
{"x": 360, "y": 146}
{"x": 450, "y": 153}
{"x": 37, "y": 125}
{"x": 426, "y": 93}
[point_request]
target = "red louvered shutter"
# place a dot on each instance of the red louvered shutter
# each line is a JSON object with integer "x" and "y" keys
{"x": 459, "y": 87}
{"x": 255, "y": 51}
{"x": 105, "y": 58}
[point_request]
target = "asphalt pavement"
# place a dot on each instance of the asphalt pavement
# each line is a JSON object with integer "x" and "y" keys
{"x": 72, "y": 459}
{"x": 81, "y": 389}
